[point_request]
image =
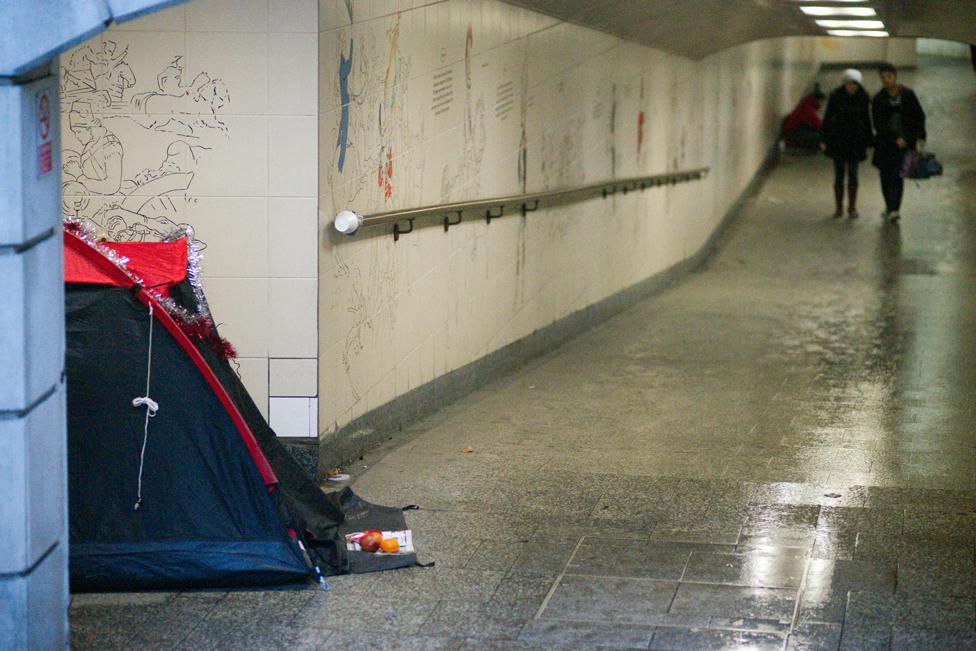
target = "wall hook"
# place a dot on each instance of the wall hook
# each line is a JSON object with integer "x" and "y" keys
{"x": 526, "y": 209}
{"x": 489, "y": 216}
{"x": 448, "y": 223}
{"x": 397, "y": 231}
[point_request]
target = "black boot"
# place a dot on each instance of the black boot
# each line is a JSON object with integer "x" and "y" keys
{"x": 839, "y": 201}
{"x": 852, "y": 202}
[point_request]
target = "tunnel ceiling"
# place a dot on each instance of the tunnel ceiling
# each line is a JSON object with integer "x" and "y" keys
{"x": 698, "y": 28}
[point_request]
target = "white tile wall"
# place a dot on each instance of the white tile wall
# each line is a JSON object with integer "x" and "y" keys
{"x": 292, "y": 156}
{"x": 294, "y": 416}
{"x": 236, "y": 232}
{"x": 293, "y": 377}
{"x": 258, "y": 108}
{"x": 228, "y": 15}
{"x": 241, "y": 58}
{"x": 242, "y": 311}
{"x": 293, "y": 306}
{"x": 294, "y": 17}
{"x": 236, "y": 166}
{"x": 232, "y": 106}
{"x": 393, "y": 316}
{"x": 293, "y": 89}
{"x": 293, "y": 237}
{"x": 171, "y": 20}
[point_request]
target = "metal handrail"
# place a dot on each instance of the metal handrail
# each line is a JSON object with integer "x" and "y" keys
{"x": 350, "y": 222}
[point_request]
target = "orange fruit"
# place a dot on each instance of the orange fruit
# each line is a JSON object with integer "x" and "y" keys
{"x": 390, "y": 545}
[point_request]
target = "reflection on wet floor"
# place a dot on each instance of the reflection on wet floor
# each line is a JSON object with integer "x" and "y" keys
{"x": 776, "y": 453}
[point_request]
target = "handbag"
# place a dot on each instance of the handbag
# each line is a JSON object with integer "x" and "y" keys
{"x": 919, "y": 165}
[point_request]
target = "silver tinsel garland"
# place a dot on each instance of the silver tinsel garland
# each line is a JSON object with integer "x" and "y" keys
{"x": 198, "y": 323}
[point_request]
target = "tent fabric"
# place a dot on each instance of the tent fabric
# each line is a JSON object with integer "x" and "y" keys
{"x": 94, "y": 259}
{"x": 201, "y": 490}
{"x": 223, "y": 503}
{"x": 157, "y": 264}
{"x": 324, "y": 517}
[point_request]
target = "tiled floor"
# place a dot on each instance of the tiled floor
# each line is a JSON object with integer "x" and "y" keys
{"x": 777, "y": 453}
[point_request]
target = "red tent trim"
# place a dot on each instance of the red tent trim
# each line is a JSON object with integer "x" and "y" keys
{"x": 111, "y": 274}
{"x": 157, "y": 264}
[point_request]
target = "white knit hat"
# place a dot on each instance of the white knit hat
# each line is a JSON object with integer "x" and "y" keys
{"x": 852, "y": 74}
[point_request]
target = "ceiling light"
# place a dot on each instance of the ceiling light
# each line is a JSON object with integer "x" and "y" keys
{"x": 838, "y": 11}
{"x": 851, "y": 24}
{"x": 858, "y": 32}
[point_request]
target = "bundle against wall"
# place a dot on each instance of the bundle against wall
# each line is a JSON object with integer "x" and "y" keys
{"x": 175, "y": 478}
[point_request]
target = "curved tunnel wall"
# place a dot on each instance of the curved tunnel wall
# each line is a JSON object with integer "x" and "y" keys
{"x": 240, "y": 117}
{"x": 443, "y": 103}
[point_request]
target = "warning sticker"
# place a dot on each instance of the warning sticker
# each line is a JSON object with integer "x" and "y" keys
{"x": 45, "y": 149}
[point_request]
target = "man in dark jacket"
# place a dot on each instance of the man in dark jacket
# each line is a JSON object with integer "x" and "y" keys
{"x": 899, "y": 124}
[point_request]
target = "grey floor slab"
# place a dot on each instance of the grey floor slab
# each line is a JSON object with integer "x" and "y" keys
{"x": 776, "y": 452}
{"x": 765, "y": 568}
{"x": 682, "y": 639}
{"x": 632, "y": 557}
{"x": 695, "y": 600}
{"x": 610, "y": 599}
{"x": 549, "y": 634}
{"x": 814, "y": 637}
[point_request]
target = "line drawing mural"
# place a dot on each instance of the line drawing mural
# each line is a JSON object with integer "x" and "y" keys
{"x": 170, "y": 125}
{"x": 393, "y": 82}
{"x": 465, "y": 177}
{"x": 523, "y": 149}
{"x": 370, "y": 84}
{"x": 640, "y": 123}
{"x": 184, "y": 109}
{"x": 104, "y": 72}
{"x": 345, "y": 67}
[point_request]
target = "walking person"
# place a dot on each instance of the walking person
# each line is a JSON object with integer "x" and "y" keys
{"x": 899, "y": 124}
{"x": 845, "y": 137}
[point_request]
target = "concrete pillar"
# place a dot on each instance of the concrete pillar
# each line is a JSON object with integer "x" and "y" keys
{"x": 33, "y": 451}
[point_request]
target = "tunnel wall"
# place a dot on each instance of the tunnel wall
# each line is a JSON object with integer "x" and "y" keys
{"x": 461, "y": 100}
{"x": 940, "y": 48}
{"x": 209, "y": 109}
{"x": 900, "y": 52}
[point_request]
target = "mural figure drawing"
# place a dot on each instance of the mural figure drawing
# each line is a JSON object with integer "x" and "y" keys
{"x": 465, "y": 175}
{"x": 102, "y": 72}
{"x": 372, "y": 63}
{"x": 141, "y": 196}
{"x": 345, "y": 67}
{"x": 391, "y": 81}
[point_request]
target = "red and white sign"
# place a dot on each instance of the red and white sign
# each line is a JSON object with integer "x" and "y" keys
{"x": 45, "y": 149}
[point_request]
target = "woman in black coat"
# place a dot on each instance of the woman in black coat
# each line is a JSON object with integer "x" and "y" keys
{"x": 900, "y": 124}
{"x": 846, "y": 135}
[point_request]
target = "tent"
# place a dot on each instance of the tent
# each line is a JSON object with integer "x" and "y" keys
{"x": 175, "y": 478}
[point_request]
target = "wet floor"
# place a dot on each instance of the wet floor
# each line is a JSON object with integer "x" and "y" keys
{"x": 779, "y": 452}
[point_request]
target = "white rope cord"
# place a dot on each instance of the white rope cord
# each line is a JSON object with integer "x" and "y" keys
{"x": 151, "y": 408}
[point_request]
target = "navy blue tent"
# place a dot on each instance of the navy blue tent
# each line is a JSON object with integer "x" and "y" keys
{"x": 175, "y": 478}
